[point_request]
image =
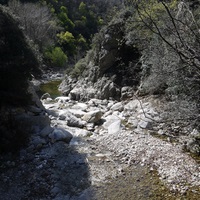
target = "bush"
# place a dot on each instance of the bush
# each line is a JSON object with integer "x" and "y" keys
{"x": 56, "y": 57}
{"x": 79, "y": 67}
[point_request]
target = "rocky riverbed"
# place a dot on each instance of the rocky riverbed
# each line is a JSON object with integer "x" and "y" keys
{"x": 101, "y": 149}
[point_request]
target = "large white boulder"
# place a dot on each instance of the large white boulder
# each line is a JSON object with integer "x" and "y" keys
{"x": 115, "y": 127}
{"x": 117, "y": 107}
{"x": 92, "y": 116}
{"x": 133, "y": 105}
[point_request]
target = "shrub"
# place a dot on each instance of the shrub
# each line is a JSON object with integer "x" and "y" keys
{"x": 56, "y": 57}
{"x": 79, "y": 67}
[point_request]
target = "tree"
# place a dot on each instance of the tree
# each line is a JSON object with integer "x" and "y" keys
{"x": 67, "y": 40}
{"x": 37, "y": 20}
{"x": 56, "y": 57}
{"x": 172, "y": 56}
{"x": 64, "y": 19}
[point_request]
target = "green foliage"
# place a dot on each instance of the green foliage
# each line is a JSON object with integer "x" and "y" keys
{"x": 77, "y": 18}
{"x": 79, "y": 68}
{"x": 82, "y": 8}
{"x": 66, "y": 37}
{"x": 56, "y": 57}
{"x": 67, "y": 40}
{"x": 81, "y": 41}
{"x": 64, "y": 19}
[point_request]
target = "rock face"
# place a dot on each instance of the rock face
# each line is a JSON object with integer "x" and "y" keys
{"x": 20, "y": 110}
{"x": 111, "y": 66}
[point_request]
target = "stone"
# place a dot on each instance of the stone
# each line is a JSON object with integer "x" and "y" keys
{"x": 75, "y": 94}
{"x": 74, "y": 121}
{"x": 161, "y": 132}
{"x": 82, "y": 133}
{"x": 90, "y": 126}
{"x": 62, "y": 117}
{"x": 109, "y": 120}
{"x": 132, "y": 105}
{"x": 46, "y": 131}
{"x": 55, "y": 190}
{"x": 67, "y": 84}
{"x": 126, "y": 92}
{"x": 80, "y": 106}
{"x": 48, "y": 100}
{"x": 38, "y": 142}
{"x": 36, "y": 110}
{"x": 60, "y": 134}
{"x": 145, "y": 124}
{"x": 195, "y": 133}
{"x": 117, "y": 107}
{"x": 194, "y": 146}
{"x": 62, "y": 99}
{"x": 45, "y": 96}
{"x": 109, "y": 90}
{"x": 78, "y": 113}
{"x": 92, "y": 116}
{"x": 133, "y": 122}
{"x": 115, "y": 127}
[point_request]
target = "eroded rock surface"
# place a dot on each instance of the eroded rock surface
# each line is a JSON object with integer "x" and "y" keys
{"x": 66, "y": 161}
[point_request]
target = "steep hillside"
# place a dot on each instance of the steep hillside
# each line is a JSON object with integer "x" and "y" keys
{"x": 18, "y": 64}
{"x": 111, "y": 64}
{"x": 146, "y": 50}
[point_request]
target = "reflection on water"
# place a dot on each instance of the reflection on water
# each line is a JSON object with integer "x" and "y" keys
{"x": 51, "y": 88}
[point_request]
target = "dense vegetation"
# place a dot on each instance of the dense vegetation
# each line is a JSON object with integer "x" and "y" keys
{"x": 61, "y": 29}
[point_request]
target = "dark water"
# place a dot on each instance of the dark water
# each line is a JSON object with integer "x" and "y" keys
{"x": 51, "y": 88}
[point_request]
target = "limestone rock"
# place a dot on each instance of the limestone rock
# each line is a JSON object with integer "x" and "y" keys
{"x": 74, "y": 121}
{"x": 80, "y": 106}
{"x": 78, "y": 113}
{"x": 195, "y": 134}
{"x": 133, "y": 122}
{"x": 45, "y": 96}
{"x": 126, "y": 92}
{"x": 62, "y": 99}
{"x": 60, "y": 134}
{"x": 117, "y": 107}
{"x": 109, "y": 120}
{"x": 67, "y": 85}
{"x": 132, "y": 105}
{"x": 75, "y": 94}
{"x": 145, "y": 124}
{"x": 92, "y": 116}
{"x": 115, "y": 127}
{"x": 194, "y": 146}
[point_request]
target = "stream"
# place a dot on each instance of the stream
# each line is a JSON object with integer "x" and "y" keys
{"x": 98, "y": 150}
{"x": 109, "y": 176}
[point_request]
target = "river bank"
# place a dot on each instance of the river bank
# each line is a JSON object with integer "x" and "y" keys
{"x": 101, "y": 149}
